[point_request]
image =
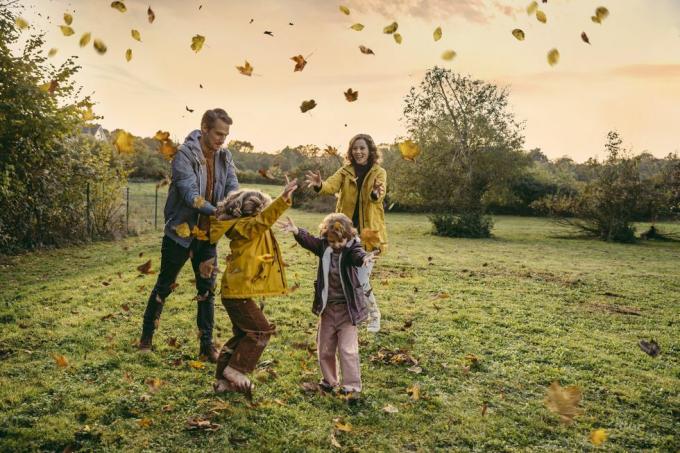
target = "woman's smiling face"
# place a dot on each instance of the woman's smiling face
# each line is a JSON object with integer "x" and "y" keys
{"x": 360, "y": 151}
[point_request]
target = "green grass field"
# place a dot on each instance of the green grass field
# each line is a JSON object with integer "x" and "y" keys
{"x": 532, "y": 307}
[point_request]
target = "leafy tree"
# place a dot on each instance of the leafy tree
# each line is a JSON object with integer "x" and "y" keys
{"x": 471, "y": 146}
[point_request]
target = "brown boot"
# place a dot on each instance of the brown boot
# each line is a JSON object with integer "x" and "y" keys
{"x": 145, "y": 344}
{"x": 209, "y": 352}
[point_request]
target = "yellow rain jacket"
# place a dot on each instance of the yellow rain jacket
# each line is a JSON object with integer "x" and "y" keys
{"x": 371, "y": 213}
{"x": 255, "y": 266}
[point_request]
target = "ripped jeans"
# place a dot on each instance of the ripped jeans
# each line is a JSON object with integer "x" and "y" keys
{"x": 203, "y": 256}
{"x": 251, "y": 335}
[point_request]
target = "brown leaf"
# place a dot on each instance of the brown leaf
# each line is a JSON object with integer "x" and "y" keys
{"x": 60, "y": 360}
{"x": 366, "y": 51}
{"x": 265, "y": 174}
{"x": 150, "y": 14}
{"x": 246, "y": 69}
{"x": 300, "y": 62}
{"x": 584, "y": 38}
{"x": 145, "y": 268}
{"x": 120, "y": 6}
{"x": 563, "y": 401}
{"x": 351, "y": 95}
{"x": 99, "y": 46}
{"x": 172, "y": 342}
{"x": 144, "y": 422}
{"x": 125, "y": 307}
{"x": 154, "y": 384}
{"x": 307, "y": 105}
{"x": 650, "y": 347}
{"x": 414, "y": 392}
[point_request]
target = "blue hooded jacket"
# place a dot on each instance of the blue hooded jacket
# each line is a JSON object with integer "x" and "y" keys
{"x": 189, "y": 181}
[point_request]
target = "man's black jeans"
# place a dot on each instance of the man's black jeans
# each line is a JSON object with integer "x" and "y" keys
{"x": 203, "y": 256}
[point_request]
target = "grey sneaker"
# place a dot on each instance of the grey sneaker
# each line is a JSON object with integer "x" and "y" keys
{"x": 373, "y": 324}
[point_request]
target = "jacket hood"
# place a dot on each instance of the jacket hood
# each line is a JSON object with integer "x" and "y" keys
{"x": 192, "y": 141}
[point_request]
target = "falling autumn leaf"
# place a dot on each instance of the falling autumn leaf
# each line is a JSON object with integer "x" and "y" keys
{"x": 128, "y": 54}
{"x": 598, "y": 436}
{"x": 199, "y": 234}
{"x": 124, "y": 142}
{"x": 68, "y": 19}
{"x": 120, "y": 6}
{"x": 448, "y": 55}
{"x": 584, "y": 38}
{"x": 437, "y": 34}
{"x": 351, "y": 96}
{"x": 365, "y": 50}
{"x": 136, "y": 35}
{"x": 265, "y": 174}
{"x": 188, "y": 109}
{"x": 340, "y": 425}
{"x": 145, "y": 268}
{"x": 246, "y": 69}
{"x": 21, "y": 23}
{"x": 197, "y": 43}
{"x": 344, "y": 10}
{"x": 49, "y": 87}
{"x": 52, "y": 52}
{"x": 162, "y": 136}
{"x": 391, "y": 28}
{"x": 269, "y": 33}
{"x": 195, "y": 423}
{"x": 300, "y": 62}
{"x": 519, "y": 34}
{"x": 541, "y": 17}
{"x": 563, "y": 401}
{"x": 151, "y": 15}
{"x": 85, "y": 39}
{"x": 99, "y": 46}
{"x": 331, "y": 150}
{"x": 183, "y": 230}
{"x": 409, "y": 150}
{"x": 357, "y": 27}
{"x": 531, "y": 9}
{"x": 397, "y": 38}
{"x": 370, "y": 238}
{"x": 154, "y": 384}
{"x": 87, "y": 114}
{"x": 307, "y": 105}
{"x": 60, "y": 360}
{"x": 66, "y": 30}
{"x": 168, "y": 149}
{"x": 196, "y": 365}
{"x": 553, "y": 57}
{"x": 601, "y": 13}
{"x": 414, "y": 392}
{"x": 144, "y": 422}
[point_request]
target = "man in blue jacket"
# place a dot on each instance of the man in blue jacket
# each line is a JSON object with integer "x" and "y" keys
{"x": 203, "y": 173}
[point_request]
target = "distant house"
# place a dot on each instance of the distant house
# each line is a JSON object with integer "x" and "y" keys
{"x": 98, "y": 132}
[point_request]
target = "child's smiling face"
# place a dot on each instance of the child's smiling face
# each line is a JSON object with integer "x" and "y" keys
{"x": 337, "y": 244}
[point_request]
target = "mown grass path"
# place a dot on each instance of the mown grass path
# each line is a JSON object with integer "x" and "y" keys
{"x": 531, "y": 307}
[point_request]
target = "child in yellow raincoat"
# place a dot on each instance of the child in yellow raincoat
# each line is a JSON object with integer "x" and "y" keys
{"x": 254, "y": 268}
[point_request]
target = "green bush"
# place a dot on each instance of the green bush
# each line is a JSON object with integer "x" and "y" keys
{"x": 465, "y": 225}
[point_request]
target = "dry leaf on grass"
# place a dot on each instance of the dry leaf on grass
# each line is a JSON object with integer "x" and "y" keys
{"x": 563, "y": 401}
{"x": 203, "y": 424}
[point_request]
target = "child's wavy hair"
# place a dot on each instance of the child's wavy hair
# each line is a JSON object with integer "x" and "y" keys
{"x": 337, "y": 226}
{"x": 373, "y": 154}
{"x": 244, "y": 203}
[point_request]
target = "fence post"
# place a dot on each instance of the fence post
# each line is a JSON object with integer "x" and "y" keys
{"x": 89, "y": 225}
{"x": 155, "y": 210}
{"x": 127, "y": 210}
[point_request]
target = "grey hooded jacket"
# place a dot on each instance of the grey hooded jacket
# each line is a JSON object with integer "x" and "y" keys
{"x": 189, "y": 180}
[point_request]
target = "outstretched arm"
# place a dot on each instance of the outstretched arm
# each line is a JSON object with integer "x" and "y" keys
{"x": 185, "y": 180}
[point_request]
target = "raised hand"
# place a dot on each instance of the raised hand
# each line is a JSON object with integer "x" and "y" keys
{"x": 313, "y": 179}
{"x": 289, "y": 189}
{"x": 287, "y": 226}
{"x": 378, "y": 188}
{"x": 370, "y": 257}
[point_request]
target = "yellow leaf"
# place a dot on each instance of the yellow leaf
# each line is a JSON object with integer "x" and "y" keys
{"x": 66, "y": 31}
{"x": 195, "y": 364}
{"x": 596, "y": 19}
{"x": 341, "y": 426}
{"x": 85, "y": 39}
{"x": 128, "y": 54}
{"x": 370, "y": 238}
{"x": 68, "y": 19}
{"x": 21, "y": 23}
{"x": 390, "y": 409}
{"x": 52, "y": 52}
{"x": 344, "y": 10}
{"x": 144, "y": 422}
{"x": 99, "y": 46}
{"x": 197, "y": 43}
{"x": 357, "y": 27}
{"x": 598, "y": 436}
{"x": 183, "y": 230}
{"x": 246, "y": 69}
{"x": 437, "y": 35}
{"x": 199, "y": 234}
{"x": 397, "y": 38}
{"x": 136, "y": 35}
{"x": 88, "y": 114}
{"x": 300, "y": 62}
{"x": 409, "y": 150}
{"x": 391, "y": 28}
{"x": 553, "y": 57}
{"x": 366, "y": 51}
{"x": 351, "y": 95}
{"x": 120, "y": 6}
{"x": 541, "y": 17}
{"x": 168, "y": 149}
{"x": 414, "y": 391}
{"x": 449, "y": 55}
{"x": 199, "y": 201}
{"x": 150, "y": 15}
{"x": 563, "y": 401}
{"x": 162, "y": 136}
{"x": 124, "y": 142}
{"x": 154, "y": 384}
{"x": 533, "y": 6}
{"x": 60, "y": 360}
{"x": 601, "y": 13}
{"x": 519, "y": 34}
{"x": 307, "y": 105}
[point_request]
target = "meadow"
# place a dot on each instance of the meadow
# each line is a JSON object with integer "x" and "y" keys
{"x": 480, "y": 328}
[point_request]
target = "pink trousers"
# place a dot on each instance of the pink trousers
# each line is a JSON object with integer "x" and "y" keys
{"x": 337, "y": 336}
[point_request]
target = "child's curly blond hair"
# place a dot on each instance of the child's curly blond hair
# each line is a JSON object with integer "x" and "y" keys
{"x": 243, "y": 203}
{"x": 337, "y": 226}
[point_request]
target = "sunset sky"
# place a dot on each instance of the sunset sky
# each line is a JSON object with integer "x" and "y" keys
{"x": 628, "y": 79}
